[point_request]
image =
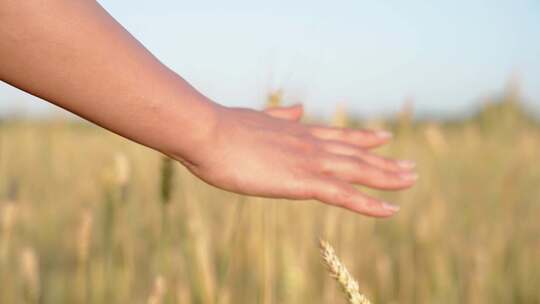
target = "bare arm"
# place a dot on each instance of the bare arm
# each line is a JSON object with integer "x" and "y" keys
{"x": 75, "y": 55}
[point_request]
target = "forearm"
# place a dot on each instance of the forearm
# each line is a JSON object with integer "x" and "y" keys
{"x": 73, "y": 54}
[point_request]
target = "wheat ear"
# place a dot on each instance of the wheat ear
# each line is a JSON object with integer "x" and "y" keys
{"x": 339, "y": 272}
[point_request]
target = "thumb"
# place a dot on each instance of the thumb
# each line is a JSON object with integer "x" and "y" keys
{"x": 293, "y": 113}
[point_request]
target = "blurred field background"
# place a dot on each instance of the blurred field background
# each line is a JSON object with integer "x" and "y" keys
{"x": 88, "y": 217}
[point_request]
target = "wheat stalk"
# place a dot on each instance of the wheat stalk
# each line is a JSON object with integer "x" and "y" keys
{"x": 29, "y": 265}
{"x": 339, "y": 272}
{"x": 84, "y": 236}
{"x": 8, "y": 217}
{"x": 166, "y": 180}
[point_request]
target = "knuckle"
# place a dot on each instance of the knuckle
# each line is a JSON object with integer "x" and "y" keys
{"x": 302, "y": 144}
{"x": 339, "y": 196}
{"x": 368, "y": 133}
{"x": 323, "y": 163}
{"x": 371, "y": 205}
{"x": 359, "y": 164}
{"x": 391, "y": 176}
{"x": 390, "y": 163}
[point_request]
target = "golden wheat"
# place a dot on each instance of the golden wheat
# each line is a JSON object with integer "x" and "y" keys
{"x": 29, "y": 268}
{"x": 339, "y": 272}
{"x": 212, "y": 246}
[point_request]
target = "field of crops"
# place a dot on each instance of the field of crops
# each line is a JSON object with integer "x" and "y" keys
{"x": 89, "y": 217}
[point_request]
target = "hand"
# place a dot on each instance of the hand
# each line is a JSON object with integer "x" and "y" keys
{"x": 271, "y": 154}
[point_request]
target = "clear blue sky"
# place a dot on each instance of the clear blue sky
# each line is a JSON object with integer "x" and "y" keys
{"x": 369, "y": 55}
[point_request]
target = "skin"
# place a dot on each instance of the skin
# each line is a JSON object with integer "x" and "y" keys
{"x": 74, "y": 54}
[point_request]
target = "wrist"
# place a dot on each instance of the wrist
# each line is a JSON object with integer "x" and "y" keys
{"x": 191, "y": 130}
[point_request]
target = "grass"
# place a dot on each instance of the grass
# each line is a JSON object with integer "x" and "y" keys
{"x": 88, "y": 217}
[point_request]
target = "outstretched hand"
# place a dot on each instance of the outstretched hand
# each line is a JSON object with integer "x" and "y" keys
{"x": 113, "y": 81}
{"x": 271, "y": 154}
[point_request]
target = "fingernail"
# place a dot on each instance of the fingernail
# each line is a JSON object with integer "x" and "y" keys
{"x": 409, "y": 176}
{"x": 384, "y": 134}
{"x": 406, "y": 164}
{"x": 390, "y": 207}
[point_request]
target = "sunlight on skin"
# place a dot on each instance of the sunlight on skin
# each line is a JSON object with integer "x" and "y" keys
{"x": 85, "y": 62}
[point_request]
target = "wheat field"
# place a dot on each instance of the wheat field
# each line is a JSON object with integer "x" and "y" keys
{"x": 88, "y": 217}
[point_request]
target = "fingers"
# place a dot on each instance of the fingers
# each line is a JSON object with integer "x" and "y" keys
{"x": 354, "y": 170}
{"x": 341, "y": 194}
{"x": 293, "y": 113}
{"x": 361, "y": 138}
{"x": 342, "y": 148}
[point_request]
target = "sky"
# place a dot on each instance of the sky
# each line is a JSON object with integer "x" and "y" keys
{"x": 368, "y": 56}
